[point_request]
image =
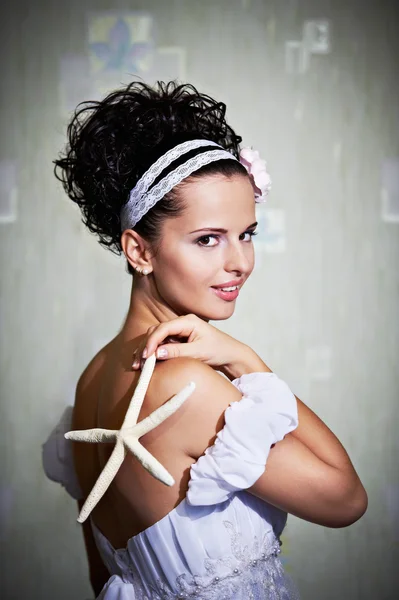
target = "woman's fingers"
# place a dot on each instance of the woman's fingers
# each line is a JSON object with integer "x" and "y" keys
{"x": 178, "y": 329}
{"x": 137, "y": 359}
{"x": 181, "y": 326}
{"x": 167, "y": 351}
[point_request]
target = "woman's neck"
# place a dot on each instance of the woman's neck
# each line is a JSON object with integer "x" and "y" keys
{"x": 145, "y": 310}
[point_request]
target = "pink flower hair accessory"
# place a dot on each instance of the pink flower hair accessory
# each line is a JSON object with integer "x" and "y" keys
{"x": 256, "y": 169}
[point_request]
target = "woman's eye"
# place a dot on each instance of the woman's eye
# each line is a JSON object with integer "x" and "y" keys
{"x": 251, "y": 234}
{"x": 202, "y": 241}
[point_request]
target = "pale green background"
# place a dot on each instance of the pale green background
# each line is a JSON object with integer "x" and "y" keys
{"x": 321, "y": 307}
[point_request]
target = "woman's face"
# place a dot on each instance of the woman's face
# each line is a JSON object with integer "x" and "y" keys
{"x": 208, "y": 245}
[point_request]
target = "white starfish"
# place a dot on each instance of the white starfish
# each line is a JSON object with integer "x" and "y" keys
{"x": 127, "y": 438}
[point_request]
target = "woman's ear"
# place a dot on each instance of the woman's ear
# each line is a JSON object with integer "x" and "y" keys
{"x": 135, "y": 248}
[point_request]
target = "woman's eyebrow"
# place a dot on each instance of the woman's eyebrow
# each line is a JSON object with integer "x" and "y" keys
{"x": 219, "y": 230}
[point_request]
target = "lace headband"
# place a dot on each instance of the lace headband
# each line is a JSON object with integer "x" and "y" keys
{"x": 142, "y": 198}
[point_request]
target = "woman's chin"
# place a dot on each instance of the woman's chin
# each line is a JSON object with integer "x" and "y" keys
{"x": 224, "y": 312}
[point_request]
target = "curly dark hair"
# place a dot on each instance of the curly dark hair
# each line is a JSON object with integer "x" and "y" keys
{"x": 111, "y": 144}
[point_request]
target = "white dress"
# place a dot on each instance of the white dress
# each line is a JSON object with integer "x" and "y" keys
{"x": 220, "y": 542}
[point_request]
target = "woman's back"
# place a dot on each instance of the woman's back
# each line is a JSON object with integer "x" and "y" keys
{"x": 136, "y": 500}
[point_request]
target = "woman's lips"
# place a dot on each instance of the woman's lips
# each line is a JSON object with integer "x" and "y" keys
{"x": 228, "y": 296}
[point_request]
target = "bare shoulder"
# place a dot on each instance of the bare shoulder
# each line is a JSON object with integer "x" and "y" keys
{"x": 202, "y": 415}
{"x": 172, "y": 375}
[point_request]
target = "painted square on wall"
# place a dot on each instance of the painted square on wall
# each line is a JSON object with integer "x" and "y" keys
{"x": 317, "y": 36}
{"x": 390, "y": 190}
{"x": 296, "y": 57}
{"x": 271, "y": 230}
{"x": 319, "y": 363}
{"x": 8, "y": 191}
{"x": 121, "y": 47}
{"x": 316, "y": 39}
{"x": 75, "y": 83}
{"x": 120, "y": 43}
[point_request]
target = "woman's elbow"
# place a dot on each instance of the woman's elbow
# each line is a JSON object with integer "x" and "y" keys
{"x": 352, "y": 507}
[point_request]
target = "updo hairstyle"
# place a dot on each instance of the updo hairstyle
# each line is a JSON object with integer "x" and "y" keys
{"x": 112, "y": 143}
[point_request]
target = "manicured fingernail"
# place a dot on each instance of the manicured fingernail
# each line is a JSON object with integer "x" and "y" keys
{"x": 135, "y": 364}
{"x": 162, "y": 353}
{"x": 144, "y": 354}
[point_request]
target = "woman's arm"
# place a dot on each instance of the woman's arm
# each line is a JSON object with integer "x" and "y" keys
{"x": 317, "y": 454}
{"x": 311, "y": 431}
{"x": 320, "y": 440}
{"x": 296, "y": 480}
{"x": 323, "y": 487}
{"x": 98, "y": 572}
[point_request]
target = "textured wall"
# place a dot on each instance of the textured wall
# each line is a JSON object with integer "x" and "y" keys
{"x": 313, "y": 85}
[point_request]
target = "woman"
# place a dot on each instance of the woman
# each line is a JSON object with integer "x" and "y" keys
{"x": 159, "y": 176}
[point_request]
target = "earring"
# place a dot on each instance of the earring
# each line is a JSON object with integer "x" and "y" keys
{"x": 142, "y": 272}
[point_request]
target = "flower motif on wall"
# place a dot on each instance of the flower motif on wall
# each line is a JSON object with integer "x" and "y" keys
{"x": 120, "y": 51}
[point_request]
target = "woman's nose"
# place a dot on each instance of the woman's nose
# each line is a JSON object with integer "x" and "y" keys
{"x": 239, "y": 258}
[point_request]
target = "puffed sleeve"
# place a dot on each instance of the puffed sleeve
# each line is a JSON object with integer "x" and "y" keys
{"x": 117, "y": 589}
{"x": 57, "y": 457}
{"x": 265, "y": 414}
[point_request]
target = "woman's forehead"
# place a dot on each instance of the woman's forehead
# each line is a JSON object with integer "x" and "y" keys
{"x": 218, "y": 198}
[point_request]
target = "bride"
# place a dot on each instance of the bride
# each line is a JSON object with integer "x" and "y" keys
{"x": 198, "y": 454}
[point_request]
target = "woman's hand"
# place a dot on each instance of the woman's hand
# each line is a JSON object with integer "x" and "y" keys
{"x": 200, "y": 340}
